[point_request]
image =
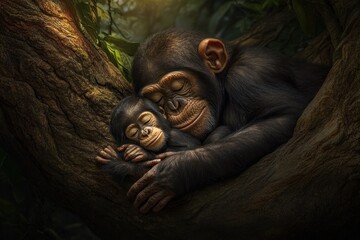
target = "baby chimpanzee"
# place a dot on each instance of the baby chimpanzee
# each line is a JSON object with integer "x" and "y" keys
{"x": 140, "y": 128}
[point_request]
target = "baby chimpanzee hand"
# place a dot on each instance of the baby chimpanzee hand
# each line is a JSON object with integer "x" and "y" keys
{"x": 107, "y": 155}
{"x": 136, "y": 164}
{"x": 134, "y": 153}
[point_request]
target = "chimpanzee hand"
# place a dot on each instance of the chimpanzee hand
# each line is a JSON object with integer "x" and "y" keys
{"x": 109, "y": 154}
{"x": 134, "y": 153}
{"x": 159, "y": 185}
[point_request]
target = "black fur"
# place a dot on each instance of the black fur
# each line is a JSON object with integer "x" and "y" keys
{"x": 259, "y": 96}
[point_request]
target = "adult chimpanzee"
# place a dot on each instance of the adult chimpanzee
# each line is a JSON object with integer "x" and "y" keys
{"x": 202, "y": 83}
{"x": 140, "y": 128}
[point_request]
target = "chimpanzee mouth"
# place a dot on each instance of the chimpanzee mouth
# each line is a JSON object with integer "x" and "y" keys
{"x": 153, "y": 144}
{"x": 184, "y": 126}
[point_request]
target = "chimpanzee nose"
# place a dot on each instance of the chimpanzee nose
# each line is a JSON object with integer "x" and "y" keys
{"x": 145, "y": 131}
{"x": 173, "y": 105}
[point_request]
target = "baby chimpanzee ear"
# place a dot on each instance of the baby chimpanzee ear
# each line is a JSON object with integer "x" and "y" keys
{"x": 214, "y": 54}
{"x": 162, "y": 111}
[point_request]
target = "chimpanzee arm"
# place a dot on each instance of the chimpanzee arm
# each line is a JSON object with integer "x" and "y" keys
{"x": 218, "y": 134}
{"x": 120, "y": 170}
{"x": 181, "y": 141}
{"x": 188, "y": 170}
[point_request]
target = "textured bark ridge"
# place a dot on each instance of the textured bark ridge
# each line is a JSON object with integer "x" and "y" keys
{"x": 57, "y": 91}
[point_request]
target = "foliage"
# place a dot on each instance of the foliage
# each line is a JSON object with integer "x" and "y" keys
{"x": 307, "y": 16}
{"x": 135, "y": 19}
{"x": 118, "y": 25}
{"x": 118, "y": 49}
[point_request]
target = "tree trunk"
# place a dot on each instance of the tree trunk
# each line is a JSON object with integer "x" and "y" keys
{"x": 56, "y": 94}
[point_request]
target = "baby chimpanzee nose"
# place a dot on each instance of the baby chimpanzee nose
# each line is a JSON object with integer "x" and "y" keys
{"x": 146, "y": 131}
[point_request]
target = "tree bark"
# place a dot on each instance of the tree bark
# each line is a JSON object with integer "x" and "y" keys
{"x": 56, "y": 94}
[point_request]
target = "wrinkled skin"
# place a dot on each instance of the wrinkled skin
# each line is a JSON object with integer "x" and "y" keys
{"x": 186, "y": 110}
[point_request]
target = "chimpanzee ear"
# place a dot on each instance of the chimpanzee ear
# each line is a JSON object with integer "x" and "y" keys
{"x": 162, "y": 111}
{"x": 213, "y": 52}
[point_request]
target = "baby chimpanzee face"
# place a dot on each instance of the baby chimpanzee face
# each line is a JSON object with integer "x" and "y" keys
{"x": 146, "y": 131}
{"x": 139, "y": 121}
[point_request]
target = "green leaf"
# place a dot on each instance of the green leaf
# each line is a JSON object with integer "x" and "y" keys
{"x": 254, "y": 6}
{"x": 243, "y": 24}
{"x": 270, "y": 3}
{"x": 316, "y": 2}
{"x": 195, "y": 5}
{"x": 216, "y": 18}
{"x": 305, "y": 15}
{"x": 87, "y": 12}
{"x": 127, "y": 47}
{"x": 120, "y": 59}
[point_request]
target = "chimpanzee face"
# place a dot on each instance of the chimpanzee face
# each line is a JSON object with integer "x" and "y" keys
{"x": 178, "y": 71}
{"x": 146, "y": 131}
{"x": 178, "y": 94}
{"x": 140, "y": 121}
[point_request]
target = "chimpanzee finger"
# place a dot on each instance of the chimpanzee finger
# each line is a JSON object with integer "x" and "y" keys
{"x": 141, "y": 157}
{"x": 152, "y": 201}
{"x": 105, "y": 154}
{"x": 132, "y": 155}
{"x": 162, "y": 203}
{"x": 127, "y": 152}
{"x": 122, "y": 147}
{"x": 109, "y": 150}
{"x": 130, "y": 151}
{"x": 144, "y": 195}
{"x": 165, "y": 155}
{"x": 112, "y": 149}
{"x": 151, "y": 163}
{"x": 139, "y": 185}
{"x": 102, "y": 160}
